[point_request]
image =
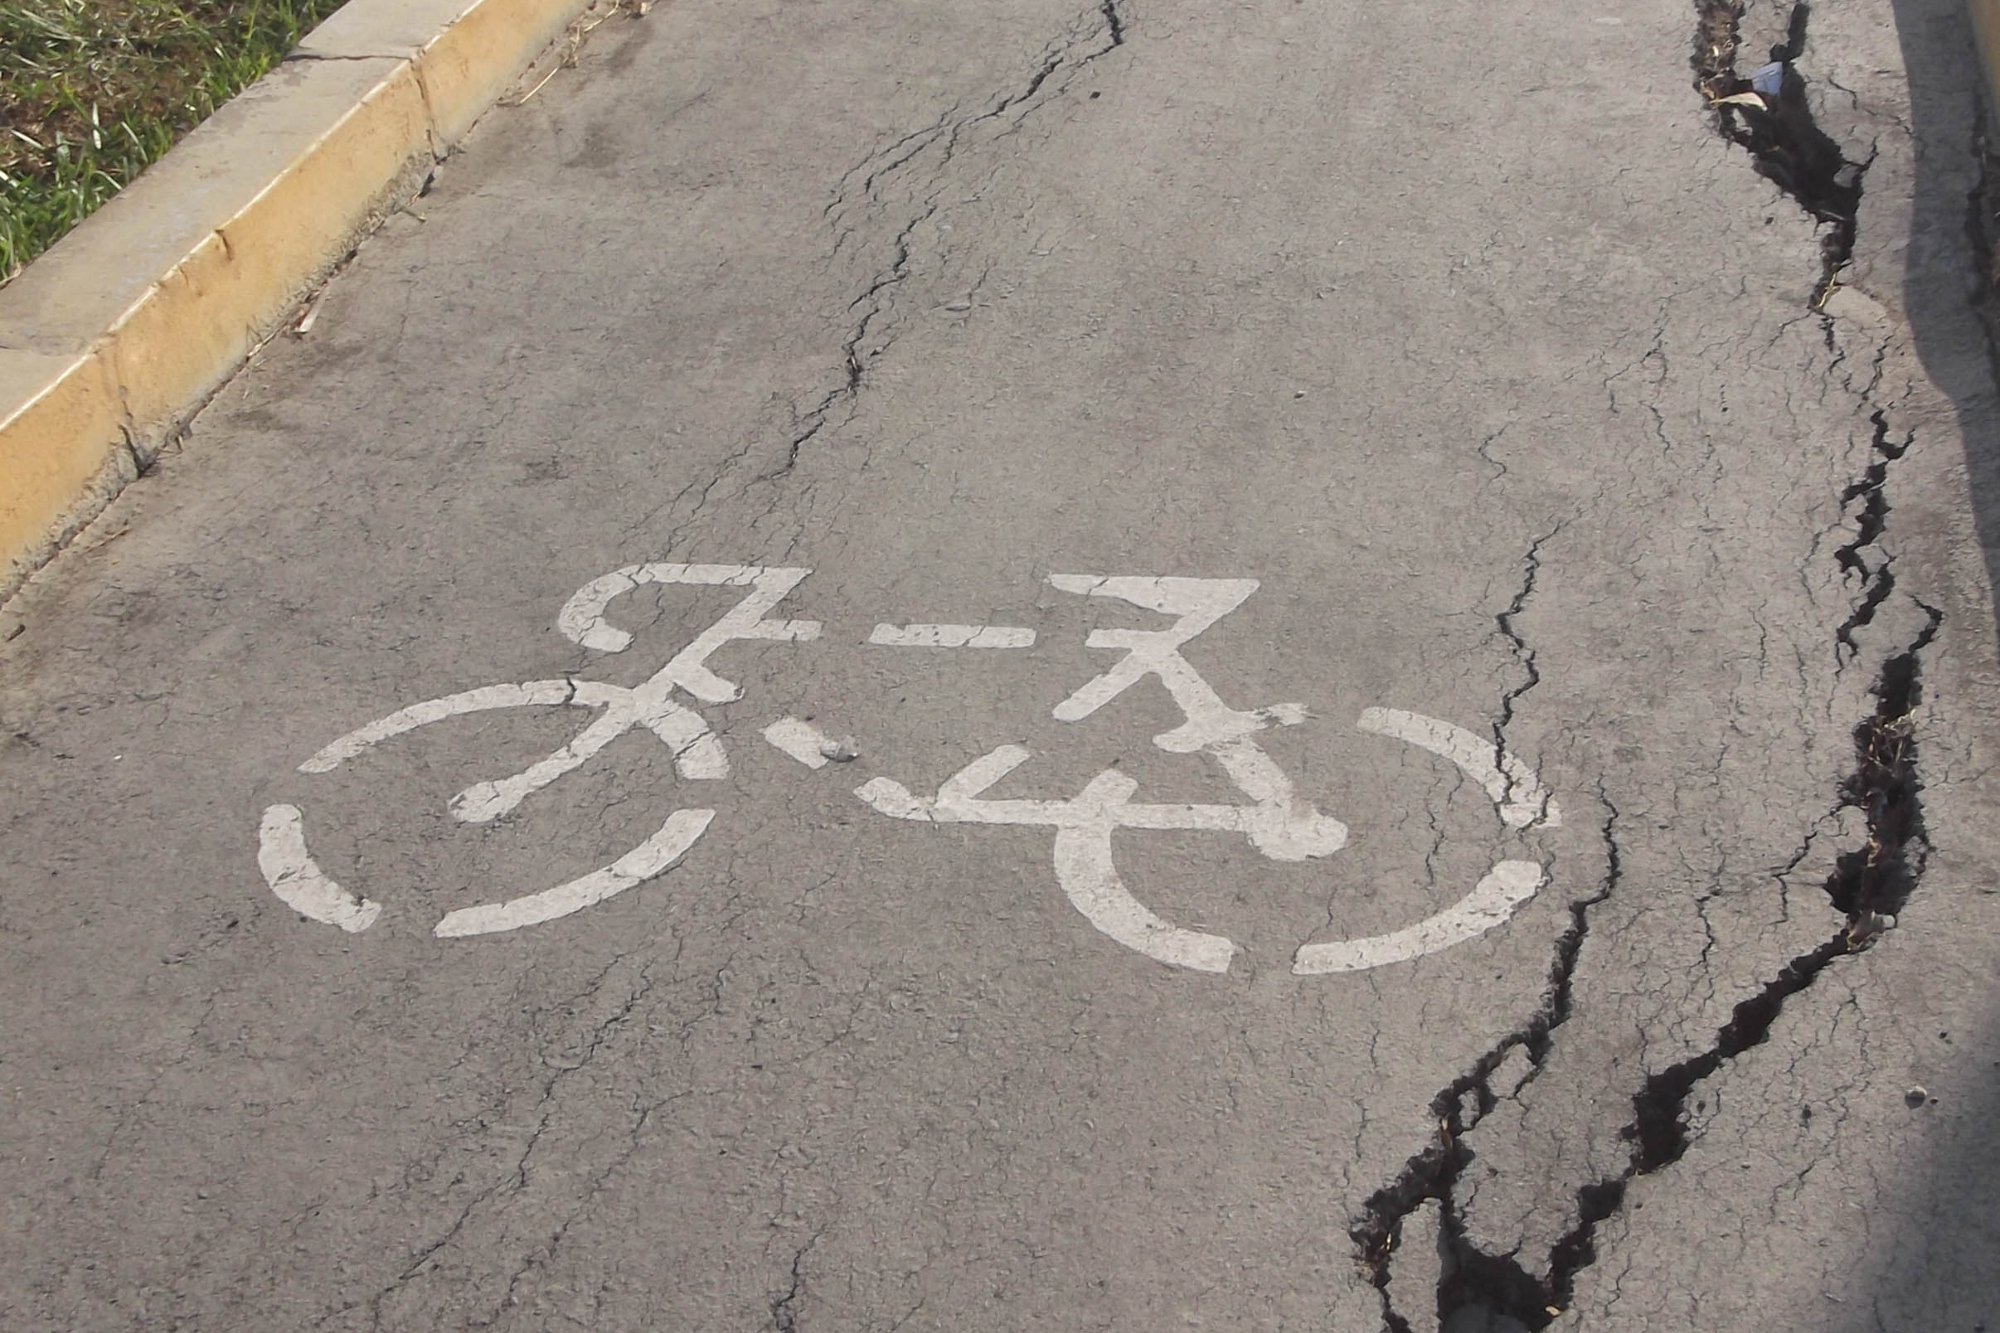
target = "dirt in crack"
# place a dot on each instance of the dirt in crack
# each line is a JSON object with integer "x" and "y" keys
{"x": 1772, "y": 119}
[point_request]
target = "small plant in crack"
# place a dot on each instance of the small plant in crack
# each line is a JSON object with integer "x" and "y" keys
{"x": 1778, "y": 130}
{"x": 1874, "y": 881}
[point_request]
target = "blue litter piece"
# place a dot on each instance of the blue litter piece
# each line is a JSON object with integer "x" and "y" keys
{"x": 1770, "y": 80}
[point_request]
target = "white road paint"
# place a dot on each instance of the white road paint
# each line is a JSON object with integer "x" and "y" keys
{"x": 1506, "y": 887}
{"x": 957, "y": 802}
{"x": 698, "y": 753}
{"x": 637, "y": 866}
{"x": 299, "y": 882}
{"x": 1090, "y": 880}
{"x": 1276, "y": 822}
{"x": 582, "y": 620}
{"x": 1522, "y": 799}
{"x": 534, "y": 692}
{"x": 952, "y": 636}
{"x": 1282, "y": 828}
{"x": 801, "y": 740}
{"x": 1197, "y": 604}
{"x": 1083, "y": 845}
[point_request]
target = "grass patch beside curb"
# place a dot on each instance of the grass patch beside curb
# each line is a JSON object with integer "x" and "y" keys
{"x": 91, "y": 91}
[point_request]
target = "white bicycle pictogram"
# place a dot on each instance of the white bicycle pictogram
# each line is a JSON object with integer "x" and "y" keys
{"x": 1276, "y": 822}
{"x": 698, "y": 754}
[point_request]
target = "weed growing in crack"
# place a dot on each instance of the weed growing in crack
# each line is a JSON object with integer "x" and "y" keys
{"x": 1877, "y": 879}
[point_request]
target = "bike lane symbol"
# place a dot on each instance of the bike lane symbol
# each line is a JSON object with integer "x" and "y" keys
{"x": 1276, "y": 823}
{"x": 1274, "y": 820}
{"x": 698, "y": 754}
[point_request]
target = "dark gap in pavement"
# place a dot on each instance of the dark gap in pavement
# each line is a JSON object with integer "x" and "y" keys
{"x": 1877, "y": 582}
{"x": 1472, "y": 1277}
{"x": 1778, "y": 130}
{"x": 1868, "y": 885}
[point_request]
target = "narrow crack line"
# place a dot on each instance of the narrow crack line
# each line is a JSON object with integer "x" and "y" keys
{"x": 784, "y": 1309}
{"x": 516, "y": 1180}
{"x": 853, "y": 357}
{"x": 866, "y": 188}
{"x": 1485, "y": 452}
{"x": 1523, "y": 653}
{"x": 874, "y": 302}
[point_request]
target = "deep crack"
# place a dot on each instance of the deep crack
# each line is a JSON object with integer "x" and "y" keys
{"x": 1868, "y": 884}
{"x": 1778, "y": 130}
{"x": 1435, "y": 1171}
{"x": 1877, "y": 580}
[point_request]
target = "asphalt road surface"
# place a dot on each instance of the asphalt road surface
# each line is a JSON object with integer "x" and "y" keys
{"x": 1044, "y": 666}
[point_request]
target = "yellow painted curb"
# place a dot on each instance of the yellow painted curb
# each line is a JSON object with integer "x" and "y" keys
{"x": 110, "y": 340}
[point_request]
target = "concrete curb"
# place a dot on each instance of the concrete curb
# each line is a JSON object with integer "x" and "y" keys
{"x": 115, "y": 336}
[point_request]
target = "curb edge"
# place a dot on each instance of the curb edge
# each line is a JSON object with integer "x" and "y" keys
{"x": 90, "y": 392}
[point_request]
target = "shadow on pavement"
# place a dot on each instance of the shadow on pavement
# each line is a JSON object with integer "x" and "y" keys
{"x": 1939, "y": 1266}
{"x": 1942, "y": 292}
{"x": 1934, "y": 1231}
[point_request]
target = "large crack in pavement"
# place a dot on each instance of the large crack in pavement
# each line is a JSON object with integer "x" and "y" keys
{"x": 1770, "y": 116}
{"x": 1434, "y": 1173}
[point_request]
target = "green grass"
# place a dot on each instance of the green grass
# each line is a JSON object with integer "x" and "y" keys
{"x": 91, "y": 91}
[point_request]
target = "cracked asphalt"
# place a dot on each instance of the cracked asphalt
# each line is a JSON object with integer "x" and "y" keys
{"x": 1651, "y": 445}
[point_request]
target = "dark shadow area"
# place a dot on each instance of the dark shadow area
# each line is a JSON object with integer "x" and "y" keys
{"x": 1949, "y": 290}
{"x": 1942, "y": 1272}
{"x": 1934, "y": 1264}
